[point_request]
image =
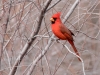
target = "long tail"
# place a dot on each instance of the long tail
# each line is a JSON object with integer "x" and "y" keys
{"x": 72, "y": 44}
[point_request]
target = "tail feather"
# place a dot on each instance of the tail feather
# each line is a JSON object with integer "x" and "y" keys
{"x": 72, "y": 44}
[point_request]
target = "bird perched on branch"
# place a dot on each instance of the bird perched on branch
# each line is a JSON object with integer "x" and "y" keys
{"x": 61, "y": 31}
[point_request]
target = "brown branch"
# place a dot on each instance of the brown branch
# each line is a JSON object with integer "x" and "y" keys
{"x": 53, "y": 5}
{"x": 32, "y": 38}
{"x": 4, "y": 27}
{"x": 49, "y": 43}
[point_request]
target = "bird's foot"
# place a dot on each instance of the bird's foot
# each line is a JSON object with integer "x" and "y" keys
{"x": 57, "y": 40}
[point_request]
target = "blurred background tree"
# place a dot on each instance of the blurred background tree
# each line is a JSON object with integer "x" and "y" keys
{"x": 25, "y": 33}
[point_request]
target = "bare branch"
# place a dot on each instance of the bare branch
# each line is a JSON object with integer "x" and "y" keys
{"x": 32, "y": 38}
{"x": 49, "y": 43}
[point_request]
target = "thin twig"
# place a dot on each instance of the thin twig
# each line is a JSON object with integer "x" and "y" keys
{"x": 49, "y": 42}
{"x": 39, "y": 57}
{"x": 28, "y": 45}
{"x": 76, "y": 56}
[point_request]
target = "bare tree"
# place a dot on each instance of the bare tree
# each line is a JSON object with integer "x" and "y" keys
{"x": 28, "y": 46}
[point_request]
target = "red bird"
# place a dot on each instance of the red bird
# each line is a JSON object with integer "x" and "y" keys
{"x": 61, "y": 31}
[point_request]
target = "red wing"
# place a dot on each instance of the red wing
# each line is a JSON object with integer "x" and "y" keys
{"x": 66, "y": 32}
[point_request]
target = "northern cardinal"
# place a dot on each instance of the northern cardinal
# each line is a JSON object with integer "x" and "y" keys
{"x": 61, "y": 31}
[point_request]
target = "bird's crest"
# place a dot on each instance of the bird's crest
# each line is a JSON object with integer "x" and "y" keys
{"x": 57, "y": 15}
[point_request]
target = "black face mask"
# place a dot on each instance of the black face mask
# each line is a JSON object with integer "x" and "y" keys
{"x": 52, "y": 22}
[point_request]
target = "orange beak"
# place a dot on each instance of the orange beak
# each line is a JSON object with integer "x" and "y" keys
{"x": 51, "y": 19}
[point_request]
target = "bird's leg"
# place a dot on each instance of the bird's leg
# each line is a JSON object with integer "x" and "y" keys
{"x": 57, "y": 40}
